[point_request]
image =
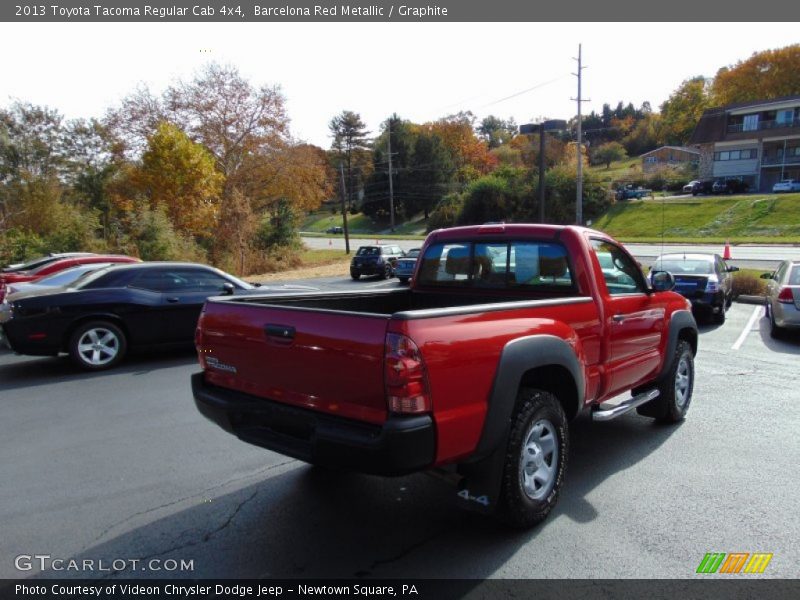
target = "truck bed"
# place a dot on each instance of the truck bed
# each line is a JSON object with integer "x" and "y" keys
{"x": 401, "y": 303}
{"x": 325, "y": 351}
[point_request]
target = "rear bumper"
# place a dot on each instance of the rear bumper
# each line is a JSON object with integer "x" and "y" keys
{"x": 786, "y": 315}
{"x": 369, "y": 269}
{"x": 401, "y": 445}
{"x": 707, "y": 300}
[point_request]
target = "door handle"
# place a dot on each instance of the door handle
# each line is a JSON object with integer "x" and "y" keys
{"x": 618, "y": 318}
{"x": 173, "y": 299}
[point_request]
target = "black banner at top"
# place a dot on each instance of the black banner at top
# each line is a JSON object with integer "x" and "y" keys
{"x": 409, "y": 11}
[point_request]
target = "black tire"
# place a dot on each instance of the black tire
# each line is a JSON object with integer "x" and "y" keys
{"x": 719, "y": 317}
{"x": 672, "y": 406}
{"x": 97, "y": 345}
{"x": 355, "y": 274}
{"x": 403, "y": 280}
{"x": 775, "y": 332}
{"x": 521, "y": 505}
{"x": 387, "y": 271}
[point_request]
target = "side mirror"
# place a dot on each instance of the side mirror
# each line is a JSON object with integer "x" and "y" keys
{"x": 766, "y": 275}
{"x": 662, "y": 281}
{"x": 228, "y": 288}
{"x": 254, "y": 283}
{"x": 732, "y": 269}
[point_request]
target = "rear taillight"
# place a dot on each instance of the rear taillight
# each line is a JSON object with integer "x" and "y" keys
{"x": 198, "y": 340}
{"x": 785, "y": 295}
{"x": 406, "y": 380}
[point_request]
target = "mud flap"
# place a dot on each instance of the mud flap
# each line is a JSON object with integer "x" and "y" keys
{"x": 479, "y": 488}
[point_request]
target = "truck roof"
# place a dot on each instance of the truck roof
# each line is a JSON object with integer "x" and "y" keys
{"x": 510, "y": 230}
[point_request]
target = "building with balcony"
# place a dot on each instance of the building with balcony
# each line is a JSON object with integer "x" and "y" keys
{"x": 758, "y": 142}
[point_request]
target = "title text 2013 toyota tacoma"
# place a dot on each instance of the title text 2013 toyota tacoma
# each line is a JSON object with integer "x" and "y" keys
{"x": 506, "y": 333}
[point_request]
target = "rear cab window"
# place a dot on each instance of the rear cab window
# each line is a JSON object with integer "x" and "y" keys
{"x": 501, "y": 265}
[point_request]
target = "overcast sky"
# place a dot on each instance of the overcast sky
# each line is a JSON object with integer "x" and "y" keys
{"x": 421, "y": 71}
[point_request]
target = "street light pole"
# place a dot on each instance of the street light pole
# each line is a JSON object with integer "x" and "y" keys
{"x": 543, "y": 127}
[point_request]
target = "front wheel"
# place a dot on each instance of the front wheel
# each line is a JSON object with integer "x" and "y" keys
{"x": 719, "y": 317}
{"x": 97, "y": 345}
{"x": 536, "y": 459}
{"x": 355, "y": 274}
{"x": 675, "y": 388}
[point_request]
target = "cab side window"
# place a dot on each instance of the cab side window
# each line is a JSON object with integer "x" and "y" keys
{"x": 621, "y": 273}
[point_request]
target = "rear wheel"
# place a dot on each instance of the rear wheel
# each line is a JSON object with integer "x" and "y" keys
{"x": 97, "y": 345}
{"x": 387, "y": 271}
{"x": 675, "y": 388}
{"x": 536, "y": 459}
{"x": 774, "y": 331}
{"x": 403, "y": 280}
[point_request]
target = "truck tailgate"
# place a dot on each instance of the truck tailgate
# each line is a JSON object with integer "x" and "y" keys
{"x": 330, "y": 362}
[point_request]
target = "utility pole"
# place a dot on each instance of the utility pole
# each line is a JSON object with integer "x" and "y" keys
{"x": 391, "y": 185}
{"x": 344, "y": 210}
{"x": 541, "y": 172}
{"x": 579, "y": 194}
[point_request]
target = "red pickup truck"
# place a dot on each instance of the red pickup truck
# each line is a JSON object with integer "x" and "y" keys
{"x": 506, "y": 333}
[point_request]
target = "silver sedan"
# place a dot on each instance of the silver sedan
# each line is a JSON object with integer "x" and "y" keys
{"x": 783, "y": 297}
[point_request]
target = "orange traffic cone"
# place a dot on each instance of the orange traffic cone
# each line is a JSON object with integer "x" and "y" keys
{"x": 727, "y": 253}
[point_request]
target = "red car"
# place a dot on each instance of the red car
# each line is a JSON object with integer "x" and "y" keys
{"x": 59, "y": 265}
{"x": 506, "y": 333}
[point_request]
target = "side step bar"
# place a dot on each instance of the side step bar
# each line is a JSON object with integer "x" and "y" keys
{"x": 628, "y": 405}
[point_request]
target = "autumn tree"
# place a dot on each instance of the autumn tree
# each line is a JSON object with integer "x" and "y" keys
{"x": 608, "y": 153}
{"x": 764, "y": 76}
{"x": 180, "y": 176}
{"x": 244, "y": 128}
{"x": 350, "y": 142}
{"x": 34, "y": 180}
{"x": 470, "y": 155}
{"x": 683, "y": 109}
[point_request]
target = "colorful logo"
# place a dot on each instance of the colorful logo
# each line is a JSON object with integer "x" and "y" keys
{"x": 734, "y": 563}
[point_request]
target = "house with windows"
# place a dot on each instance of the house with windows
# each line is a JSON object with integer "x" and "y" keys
{"x": 668, "y": 157}
{"x": 757, "y": 142}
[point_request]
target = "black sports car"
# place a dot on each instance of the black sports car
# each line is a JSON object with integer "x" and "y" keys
{"x": 104, "y": 314}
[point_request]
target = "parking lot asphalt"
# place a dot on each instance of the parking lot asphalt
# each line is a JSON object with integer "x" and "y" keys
{"x": 121, "y": 466}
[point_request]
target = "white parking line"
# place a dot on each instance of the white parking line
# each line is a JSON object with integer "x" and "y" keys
{"x": 758, "y": 312}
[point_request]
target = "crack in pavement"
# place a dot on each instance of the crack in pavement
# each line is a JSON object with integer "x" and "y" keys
{"x": 400, "y": 555}
{"x": 207, "y": 536}
{"x": 140, "y": 513}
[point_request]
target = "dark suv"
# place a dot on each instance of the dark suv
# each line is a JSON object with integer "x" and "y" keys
{"x": 375, "y": 260}
{"x": 730, "y": 186}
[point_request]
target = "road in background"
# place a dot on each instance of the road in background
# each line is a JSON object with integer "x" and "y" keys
{"x": 744, "y": 256}
{"x": 120, "y": 465}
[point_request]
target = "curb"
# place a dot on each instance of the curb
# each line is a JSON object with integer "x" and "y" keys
{"x": 745, "y": 299}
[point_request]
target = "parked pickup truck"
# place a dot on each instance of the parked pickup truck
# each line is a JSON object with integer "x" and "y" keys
{"x": 629, "y": 192}
{"x": 506, "y": 333}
